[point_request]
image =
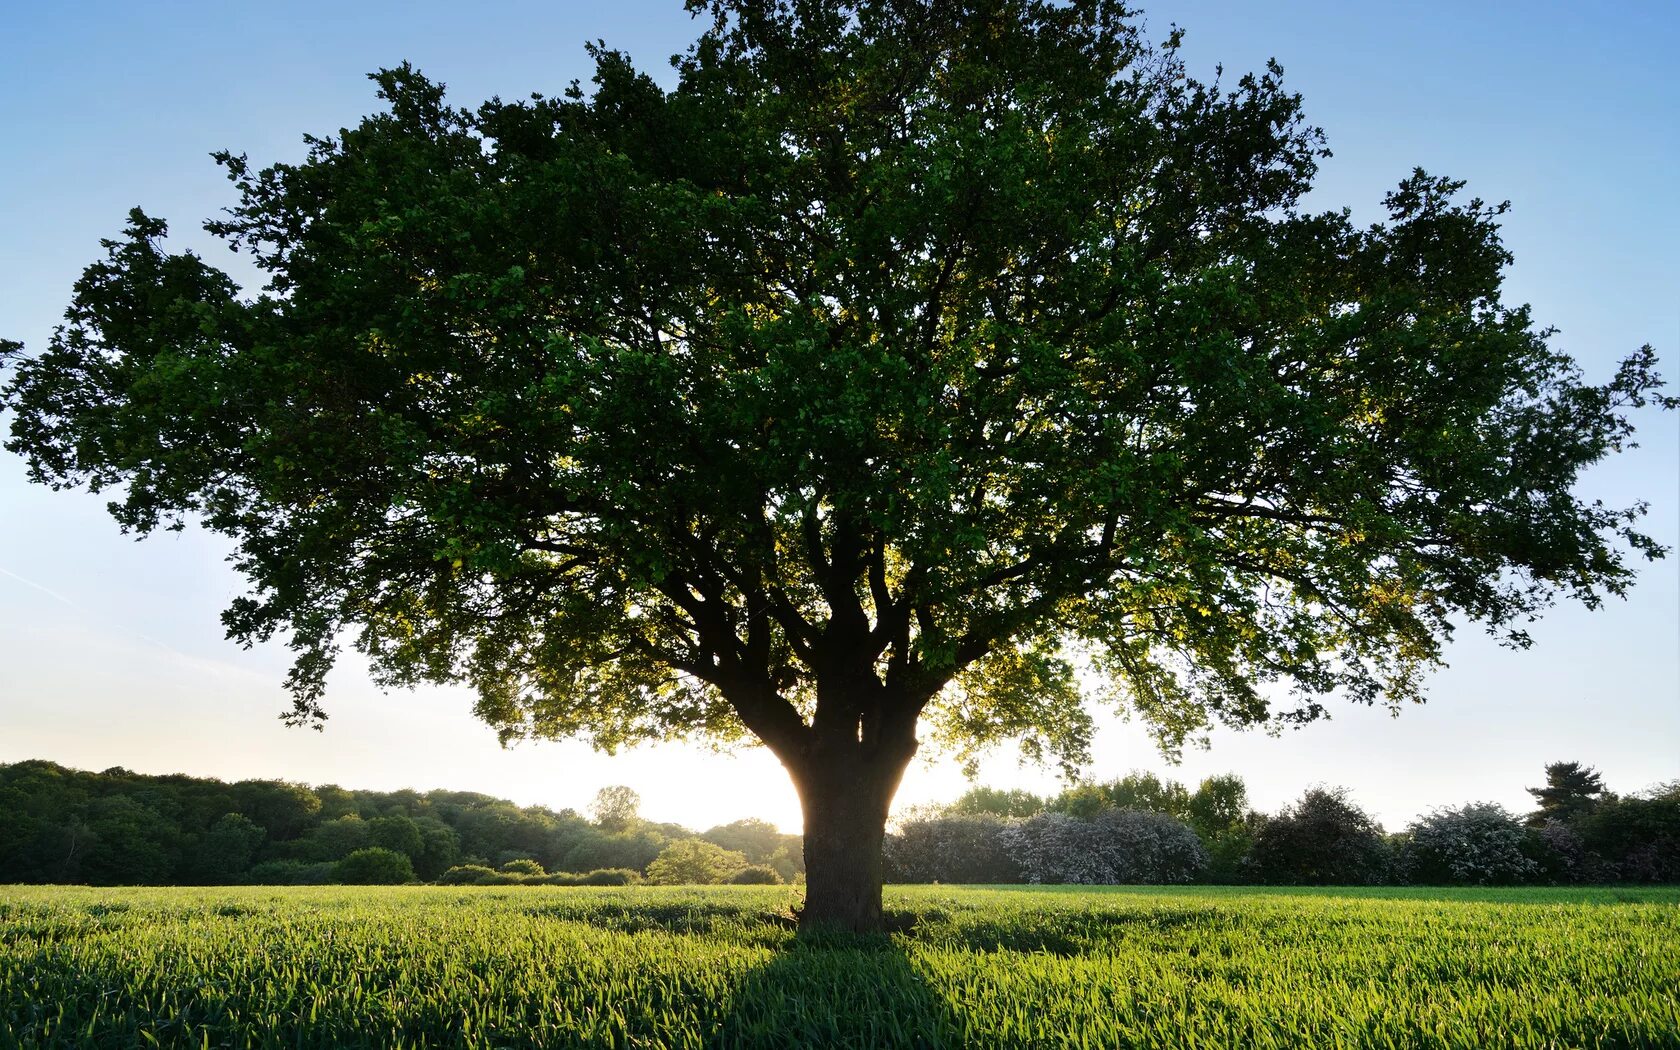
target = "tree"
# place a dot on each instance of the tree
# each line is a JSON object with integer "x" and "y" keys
{"x": 397, "y": 833}
{"x": 900, "y": 360}
{"x": 1219, "y": 813}
{"x": 761, "y": 842}
{"x": 375, "y": 866}
{"x": 226, "y": 850}
{"x": 440, "y": 848}
{"x": 1324, "y": 839}
{"x": 1136, "y": 790}
{"x": 694, "y": 862}
{"x": 615, "y": 808}
{"x": 1639, "y": 835}
{"x": 1571, "y": 792}
{"x": 337, "y": 839}
{"x": 1219, "y": 805}
{"x": 128, "y": 843}
{"x": 998, "y": 802}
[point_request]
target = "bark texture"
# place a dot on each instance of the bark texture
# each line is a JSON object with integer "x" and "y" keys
{"x": 845, "y": 796}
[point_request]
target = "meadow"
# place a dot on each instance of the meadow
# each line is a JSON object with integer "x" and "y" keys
{"x": 720, "y": 967}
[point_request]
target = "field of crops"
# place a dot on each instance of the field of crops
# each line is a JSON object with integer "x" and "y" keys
{"x": 1018, "y": 967}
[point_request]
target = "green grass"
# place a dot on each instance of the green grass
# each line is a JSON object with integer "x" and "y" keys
{"x": 987, "y": 966}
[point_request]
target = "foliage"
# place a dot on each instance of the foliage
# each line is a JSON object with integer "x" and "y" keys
{"x": 1228, "y": 853}
{"x": 616, "y": 808}
{"x": 956, "y": 847}
{"x": 610, "y": 877}
{"x": 1219, "y": 806}
{"x": 291, "y": 873}
{"x": 1117, "y": 846}
{"x": 375, "y": 866}
{"x": 1478, "y": 844}
{"x": 755, "y": 875}
{"x": 398, "y": 833}
{"x": 694, "y": 862}
{"x": 899, "y": 363}
{"x": 523, "y": 866}
{"x": 1323, "y": 839}
{"x": 651, "y": 967}
{"x": 998, "y": 802}
{"x": 1571, "y": 792}
{"x": 440, "y": 847}
{"x": 466, "y": 875}
{"x": 337, "y": 838}
{"x": 1138, "y": 790}
{"x": 227, "y": 848}
{"x": 630, "y": 849}
{"x": 186, "y": 829}
{"x": 1561, "y": 857}
{"x": 761, "y": 843}
{"x": 1637, "y": 837}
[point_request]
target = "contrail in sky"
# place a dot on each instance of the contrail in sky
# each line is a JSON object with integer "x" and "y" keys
{"x": 197, "y": 661}
{"x": 48, "y": 591}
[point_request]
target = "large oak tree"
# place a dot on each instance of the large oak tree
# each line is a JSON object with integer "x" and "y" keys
{"x": 908, "y": 364}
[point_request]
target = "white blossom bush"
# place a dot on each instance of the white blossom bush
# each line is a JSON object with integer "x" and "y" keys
{"x": 966, "y": 848}
{"x": 1478, "y": 844}
{"x": 1057, "y": 848}
{"x": 1144, "y": 847}
{"x": 1118, "y": 846}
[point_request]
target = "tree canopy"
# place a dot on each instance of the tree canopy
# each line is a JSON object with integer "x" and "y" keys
{"x": 1571, "y": 792}
{"x": 903, "y": 363}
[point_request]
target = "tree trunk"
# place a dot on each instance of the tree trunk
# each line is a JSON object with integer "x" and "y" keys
{"x": 845, "y": 798}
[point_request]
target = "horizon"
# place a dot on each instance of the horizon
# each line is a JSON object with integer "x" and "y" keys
{"x": 115, "y": 654}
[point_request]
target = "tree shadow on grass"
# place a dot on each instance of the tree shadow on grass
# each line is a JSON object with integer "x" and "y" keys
{"x": 835, "y": 992}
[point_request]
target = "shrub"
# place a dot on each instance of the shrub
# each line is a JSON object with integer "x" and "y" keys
{"x": 611, "y": 877}
{"x": 1228, "y": 854}
{"x": 1145, "y": 847}
{"x": 502, "y": 878}
{"x": 1119, "y": 846}
{"x": 694, "y": 862}
{"x": 1057, "y": 848}
{"x": 523, "y": 866}
{"x": 755, "y": 875}
{"x": 954, "y": 848}
{"x": 1323, "y": 839}
{"x": 1478, "y": 844}
{"x": 1561, "y": 856}
{"x": 465, "y": 875}
{"x": 375, "y": 866}
{"x": 291, "y": 873}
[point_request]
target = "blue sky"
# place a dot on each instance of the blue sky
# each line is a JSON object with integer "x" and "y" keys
{"x": 111, "y": 652}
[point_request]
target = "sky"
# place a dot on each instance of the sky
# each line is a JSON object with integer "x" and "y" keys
{"x": 112, "y": 652}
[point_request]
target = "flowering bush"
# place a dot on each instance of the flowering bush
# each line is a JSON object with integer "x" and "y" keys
{"x": 1478, "y": 844}
{"x": 1119, "y": 846}
{"x": 1057, "y": 848}
{"x": 967, "y": 848}
{"x": 1144, "y": 847}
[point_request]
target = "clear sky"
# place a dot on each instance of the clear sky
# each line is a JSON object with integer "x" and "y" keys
{"x": 111, "y": 652}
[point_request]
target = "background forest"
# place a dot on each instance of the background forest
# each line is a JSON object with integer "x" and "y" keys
{"x": 60, "y": 825}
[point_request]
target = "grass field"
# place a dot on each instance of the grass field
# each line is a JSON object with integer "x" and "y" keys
{"x": 1016, "y": 967}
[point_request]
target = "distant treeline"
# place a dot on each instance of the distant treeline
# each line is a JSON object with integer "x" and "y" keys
{"x": 62, "y": 825}
{"x": 1143, "y": 829}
